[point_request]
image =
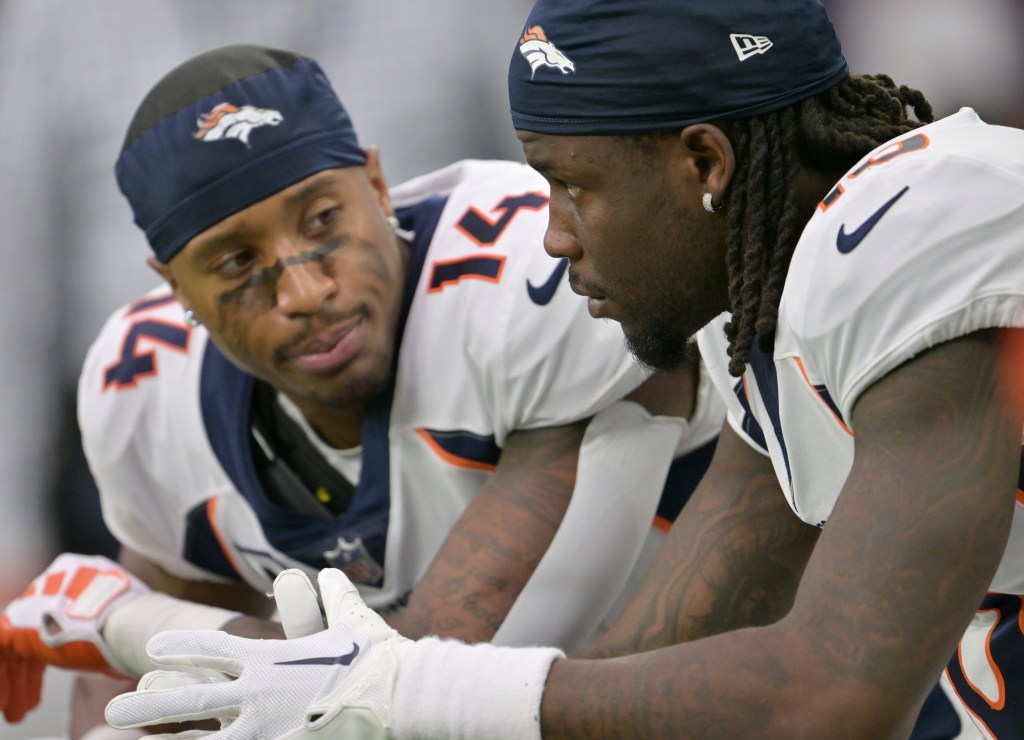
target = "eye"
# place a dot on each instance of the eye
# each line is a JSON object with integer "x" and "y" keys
{"x": 321, "y": 220}
{"x": 234, "y": 263}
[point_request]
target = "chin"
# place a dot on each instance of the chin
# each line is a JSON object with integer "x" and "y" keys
{"x": 658, "y": 351}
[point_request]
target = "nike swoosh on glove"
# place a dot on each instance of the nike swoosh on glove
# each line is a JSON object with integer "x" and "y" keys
{"x": 331, "y": 684}
{"x": 58, "y": 621}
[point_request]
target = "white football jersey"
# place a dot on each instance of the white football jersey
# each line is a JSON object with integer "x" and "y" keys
{"x": 494, "y": 341}
{"x": 920, "y": 243}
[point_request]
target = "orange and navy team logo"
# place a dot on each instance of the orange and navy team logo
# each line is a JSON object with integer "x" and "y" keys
{"x": 540, "y": 52}
{"x": 227, "y": 121}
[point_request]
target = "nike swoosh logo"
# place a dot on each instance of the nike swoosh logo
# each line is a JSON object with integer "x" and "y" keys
{"x": 542, "y": 294}
{"x": 329, "y": 660}
{"x": 846, "y": 243}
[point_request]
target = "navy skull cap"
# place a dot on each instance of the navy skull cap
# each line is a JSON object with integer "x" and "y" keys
{"x": 625, "y": 66}
{"x": 223, "y": 131}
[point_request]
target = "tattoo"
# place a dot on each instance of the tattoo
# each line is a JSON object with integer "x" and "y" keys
{"x": 967, "y": 453}
{"x": 734, "y": 563}
{"x": 500, "y": 539}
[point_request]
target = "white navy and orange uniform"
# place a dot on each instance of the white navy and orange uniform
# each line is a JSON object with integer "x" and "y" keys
{"x": 493, "y": 341}
{"x": 876, "y": 279}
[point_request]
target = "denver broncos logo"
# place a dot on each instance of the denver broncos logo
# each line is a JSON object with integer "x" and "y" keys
{"x": 540, "y": 52}
{"x": 228, "y": 121}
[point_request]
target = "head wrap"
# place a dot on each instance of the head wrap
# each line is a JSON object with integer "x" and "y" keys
{"x": 223, "y": 131}
{"x": 623, "y": 66}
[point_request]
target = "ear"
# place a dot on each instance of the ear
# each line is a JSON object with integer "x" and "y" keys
{"x": 711, "y": 156}
{"x": 380, "y": 185}
{"x": 167, "y": 274}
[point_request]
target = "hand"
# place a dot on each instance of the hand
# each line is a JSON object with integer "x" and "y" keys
{"x": 334, "y": 683}
{"x": 58, "y": 621}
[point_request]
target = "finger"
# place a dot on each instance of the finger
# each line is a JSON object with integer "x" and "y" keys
{"x": 297, "y": 604}
{"x": 344, "y": 605}
{"x": 182, "y": 704}
{"x": 203, "y": 649}
{"x": 157, "y": 680}
{"x": 25, "y": 680}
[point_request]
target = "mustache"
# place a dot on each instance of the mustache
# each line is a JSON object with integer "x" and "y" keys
{"x": 579, "y": 285}
{"x": 321, "y": 332}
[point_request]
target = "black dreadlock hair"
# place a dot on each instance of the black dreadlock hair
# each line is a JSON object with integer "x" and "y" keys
{"x": 830, "y": 131}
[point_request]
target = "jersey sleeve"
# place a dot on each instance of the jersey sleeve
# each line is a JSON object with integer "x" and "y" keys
{"x": 915, "y": 253}
{"x": 520, "y": 341}
{"x": 143, "y": 439}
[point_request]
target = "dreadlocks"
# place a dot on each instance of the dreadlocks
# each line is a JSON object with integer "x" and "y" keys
{"x": 830, "y": 131}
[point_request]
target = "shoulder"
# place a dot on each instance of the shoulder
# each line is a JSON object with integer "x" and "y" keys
{"x": 901, "y": 256}
{"x": 144, "y": 361}
{"x": 501, "y": 307}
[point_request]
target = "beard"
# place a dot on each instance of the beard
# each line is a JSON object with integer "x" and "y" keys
{"x": 660, "y": 349}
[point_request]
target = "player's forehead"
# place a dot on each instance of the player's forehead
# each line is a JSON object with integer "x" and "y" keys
{"x": 335, "y": 185}
{"x": 578, "y": 156}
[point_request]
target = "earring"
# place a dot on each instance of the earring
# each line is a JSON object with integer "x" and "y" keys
{"x": 393, "y": 223}
{"x": 190, "y": 318}
{"x": 709, "y": 204}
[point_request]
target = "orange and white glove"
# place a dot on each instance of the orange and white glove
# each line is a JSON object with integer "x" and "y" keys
{"x": 58, "y": 621}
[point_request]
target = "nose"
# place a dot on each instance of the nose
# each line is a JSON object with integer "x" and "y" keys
{"x": 559, "y": 240}
{"x": 303, "y": 285}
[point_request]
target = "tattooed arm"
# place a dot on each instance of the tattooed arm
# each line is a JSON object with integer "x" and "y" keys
{"x": 937, "y": 454}
{"x": 499, "y": 539}
{"x": 732, "y": 559}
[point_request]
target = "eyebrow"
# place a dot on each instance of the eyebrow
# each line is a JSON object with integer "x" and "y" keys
{"x": 320, "y": 181}
{"x": 230, "y": 238}
{"x": 217, "y": 243}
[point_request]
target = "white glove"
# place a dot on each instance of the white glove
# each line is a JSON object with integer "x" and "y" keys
{"x": 335, "y": 683}
{"x": 297, "y": 604}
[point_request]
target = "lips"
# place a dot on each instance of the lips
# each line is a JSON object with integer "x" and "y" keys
{"x": 597, "y": 303}
{"x": 330, "y": 349}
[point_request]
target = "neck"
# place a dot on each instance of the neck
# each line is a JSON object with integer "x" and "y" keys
{"x": 341, "y": 428}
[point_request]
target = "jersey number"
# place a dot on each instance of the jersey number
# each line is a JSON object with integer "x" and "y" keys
{"x": 135, "y": 364}
{"x": 915, "y": 143}
{"x": 485, "y": 232}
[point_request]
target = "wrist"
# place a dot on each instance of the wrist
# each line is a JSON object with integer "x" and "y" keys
{"x": 130, "y": 626}
{"x": 447, "y": 688}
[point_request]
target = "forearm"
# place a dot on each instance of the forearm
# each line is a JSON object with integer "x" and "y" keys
{"x": 498, "y": 541}
{"x": 129, "y": 628}
{"x": 760, "y": 682}
{"x": 624, "y": 461}
{"x": 733, "y": 559}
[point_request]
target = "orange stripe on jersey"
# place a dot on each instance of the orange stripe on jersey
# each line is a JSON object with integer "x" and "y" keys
{"x": 211, "y": 515}
{"x": 662, "y": 524}
{"x": 459, "y": 462}
{"x": 803, "y": 371}
{"x": 1001, "y": 698}
{"x": 1020, "y": 497}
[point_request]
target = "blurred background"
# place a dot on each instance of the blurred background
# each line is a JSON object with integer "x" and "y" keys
{"x": 424, "y": 81}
